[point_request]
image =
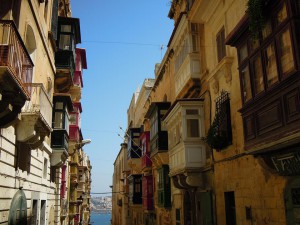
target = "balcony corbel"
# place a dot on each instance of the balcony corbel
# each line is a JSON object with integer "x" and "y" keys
{"x": 35, "y": 121}
{"x": 59, "y": 157}
{"x": 186, "y": 181}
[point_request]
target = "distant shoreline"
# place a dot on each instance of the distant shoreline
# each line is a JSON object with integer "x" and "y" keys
{"x": 101, "y": 211}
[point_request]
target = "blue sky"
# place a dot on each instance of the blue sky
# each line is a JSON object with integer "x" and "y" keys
{"x": 123, "y": 42}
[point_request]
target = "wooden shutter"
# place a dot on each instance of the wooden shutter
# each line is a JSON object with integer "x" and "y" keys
{"x": 221, "y": 44}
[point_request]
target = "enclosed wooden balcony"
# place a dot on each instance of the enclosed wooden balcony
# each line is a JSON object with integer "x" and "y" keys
{"x": 15, "y": 71}
{"x": 158, "y": 132}
{"x": 68, "y": 37}
{"x": 145, "y": 146}
{"x": 75, "y": 123}
{"x": 36, "y": 117}
{"x": 60, "y": 135}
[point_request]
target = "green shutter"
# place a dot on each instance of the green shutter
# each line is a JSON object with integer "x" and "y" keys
{"x": 164, "y": 193}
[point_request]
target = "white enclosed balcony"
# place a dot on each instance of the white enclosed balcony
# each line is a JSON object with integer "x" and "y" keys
{"x": 185, "y": 42}
{"x": 36, "y": 116}
{"x": 185, "y": 123}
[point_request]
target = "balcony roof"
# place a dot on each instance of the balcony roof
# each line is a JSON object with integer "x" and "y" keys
{"x": 154, "y": 105}
{"x": 178, "y": 101}
{"x": 65, "y": 98}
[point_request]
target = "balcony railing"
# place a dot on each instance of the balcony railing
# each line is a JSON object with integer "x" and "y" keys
{"x": 13, "y": 54}
{"x": 40, "y": 103}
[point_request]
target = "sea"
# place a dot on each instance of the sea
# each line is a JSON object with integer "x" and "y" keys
{"x": 100, "y": 218}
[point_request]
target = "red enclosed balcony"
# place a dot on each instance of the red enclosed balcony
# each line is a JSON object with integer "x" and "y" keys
{"x": 75, "y": 122}
{"x": 77, "y": 80}
{"x": 15, "y": 70}
{"x": 145, "y": 146}
{"x": 80, "y": 65}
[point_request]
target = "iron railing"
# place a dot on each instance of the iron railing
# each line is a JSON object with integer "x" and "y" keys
{"x": 13, "y": 54}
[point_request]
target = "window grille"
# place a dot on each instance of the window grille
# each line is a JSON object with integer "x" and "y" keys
{"x": 223, "y": 116}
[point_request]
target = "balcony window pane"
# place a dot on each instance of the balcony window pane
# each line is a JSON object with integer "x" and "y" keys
{"x": 258, "y": 75}
{"x": 271, "y": 65}
{"x": 65, "y": 28}
{"x": 59, "y": 105}
{"x": 67, "y": 119}
{"x": 267, "y": 30}
{"x": 65, "y": 42}
{"x": 58, "y": 120}
{"x": 281, "y": 15}
{"x": 195, "y": 42}
{"x": 73, "y": 119}
{"x": 286, "y": 53}
{"x": 254, "y": 44}
{"x": 246, "y": 84}
{"x": 192, "y": 127}
{"x": 154, "y": 125}
{"x": 243, "y": 52}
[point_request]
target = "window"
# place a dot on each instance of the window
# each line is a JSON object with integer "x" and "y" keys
{"x": 52, "y": 173}
{"x": 154, "y": 125}
{"x": 61, "y": 116}
{"x": 223, "y": 110}
{"x": 23, "y": 157}
{"x": 219, "y": 135}
{"x": 220, "y": 39}
{"x": 195, "y": 37}
{"x": 43, "y": 213}
{"x": 192, "y": 123}
{"x": 286, "y": 53}
{"x": 45, "y": 168}
{"x": 34, "y": 212}
{"x": 66, "y": 37}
